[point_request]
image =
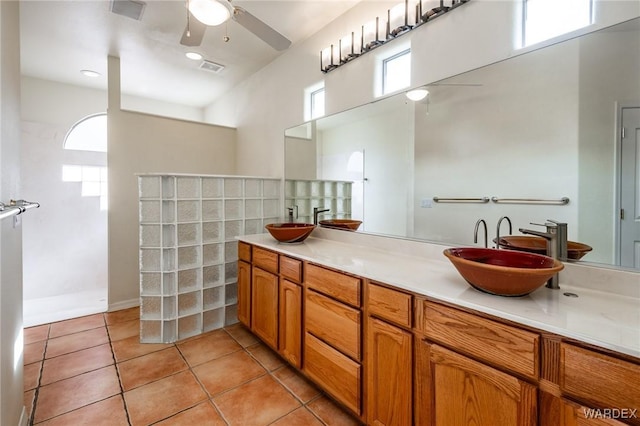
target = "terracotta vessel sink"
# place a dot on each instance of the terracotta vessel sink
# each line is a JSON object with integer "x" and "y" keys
{"x": 290, "y": 232}
{"x": 503, "y": 272}
{"x": 347, "y": 224}
{"x": 533, "y": 244}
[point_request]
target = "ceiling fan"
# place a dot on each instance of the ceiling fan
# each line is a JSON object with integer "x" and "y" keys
{"x": 204, "y": 13}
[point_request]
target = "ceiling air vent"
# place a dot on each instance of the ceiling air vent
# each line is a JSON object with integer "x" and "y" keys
{"x": 130, "y": 8}
{"x": 211, "y": 66}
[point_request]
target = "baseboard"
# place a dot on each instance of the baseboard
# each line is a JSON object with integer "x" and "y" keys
{"x": 124, "y": 304}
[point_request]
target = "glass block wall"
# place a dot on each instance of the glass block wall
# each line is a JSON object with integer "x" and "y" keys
{"x": 324, "y": 194}
{"x": 188, "y": 250}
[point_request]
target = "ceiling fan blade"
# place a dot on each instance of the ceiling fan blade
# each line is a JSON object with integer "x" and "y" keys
{"x": 260, "y": 29}
{"x": 195, "y": 29}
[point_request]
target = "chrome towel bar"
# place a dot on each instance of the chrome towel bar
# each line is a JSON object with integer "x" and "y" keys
{"x": 16, "y": 207}
{"x": 560, "y": 201}
{"x": 461, "y": 200}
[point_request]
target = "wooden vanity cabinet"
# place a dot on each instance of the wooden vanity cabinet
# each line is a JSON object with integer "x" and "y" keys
{"x": 290, "y": 310}
{"x": 244, "y": 293}
{"x": 264, "y": 306}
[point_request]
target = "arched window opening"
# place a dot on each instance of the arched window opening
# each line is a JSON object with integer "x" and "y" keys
{"x": 88, "y": 134}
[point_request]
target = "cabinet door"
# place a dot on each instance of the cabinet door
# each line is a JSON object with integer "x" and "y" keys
{"x": 244, "y": 293}
{"x": 389, "y": 378}
{"x": 290, "y": 336}
{"x": 264, "y": 306}
{"x": 578, "y": 415}
{"x": 464, "y": 392}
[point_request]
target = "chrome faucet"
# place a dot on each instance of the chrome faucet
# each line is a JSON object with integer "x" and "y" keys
{"x": 475, "y": 232}
{"x": 316, "y": 213}
{"x": 556, "y": 237}
{"x": 498, "y": 230}
{"x": 290, "y": 210}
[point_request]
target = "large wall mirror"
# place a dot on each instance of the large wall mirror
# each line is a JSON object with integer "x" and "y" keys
{"x": 531, "y": 132}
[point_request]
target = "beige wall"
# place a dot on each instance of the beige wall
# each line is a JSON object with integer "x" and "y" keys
{"x": 141, "y": 143}
{"x": 11, "y": 360}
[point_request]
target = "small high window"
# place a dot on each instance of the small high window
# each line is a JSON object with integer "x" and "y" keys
{"x": 88, "y": 134}
{"x": 396, "y": 72}
{"x": 317, "y": 103}
{"x": 545, "y": 19}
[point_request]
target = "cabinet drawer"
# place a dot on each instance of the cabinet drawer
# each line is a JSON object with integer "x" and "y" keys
{"x": 334, "y": 372}
{"x": 599, "y": 379}
{"x": 501, "y": 345}
{"x": 265, "y": 259}
{"x": 291, "y": 269}
{"x": 334, "y": 322}
{"x": 244, "y": 251}
{"x": 339, "y": 286}
{"x": 392, "y": 305}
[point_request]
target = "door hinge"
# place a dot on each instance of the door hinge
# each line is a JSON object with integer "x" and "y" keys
{"x": 621, "y": 214}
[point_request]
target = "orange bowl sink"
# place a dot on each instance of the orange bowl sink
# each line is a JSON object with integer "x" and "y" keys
{"x": 533, "y": 244}
{"x": 348, "y": 224}
{"x": 290, "y": 232}
{"x": 503, "y": 272}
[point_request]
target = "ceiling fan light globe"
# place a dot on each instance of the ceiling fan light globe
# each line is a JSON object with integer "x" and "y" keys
{"x": 417, "y": 94}
{"x": 209, "y": 12}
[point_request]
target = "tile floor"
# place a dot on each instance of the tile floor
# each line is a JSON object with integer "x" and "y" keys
{"x": 93, "y": 371}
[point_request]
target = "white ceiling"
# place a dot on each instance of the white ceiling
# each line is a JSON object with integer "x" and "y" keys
{"x": 60, "y": 38}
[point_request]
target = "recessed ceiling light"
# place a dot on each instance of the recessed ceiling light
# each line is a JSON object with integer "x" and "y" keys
{"x": 90, "y": 73}
{"x": 193, "y": 55}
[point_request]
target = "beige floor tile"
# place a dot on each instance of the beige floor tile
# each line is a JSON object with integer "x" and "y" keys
{"x": 227, "y": 372}
{"x": 149, "y": 368}
{"x": 34, "y": 352}
{"x": 265, "y": 356}
{"x": 122, "y": 315}
{"x": 163, "y": 398}
{"x": 299, "y": 417}
{"x": 132, "y": 348}
{"x": 332, "y": 415}
{"x": 256, "y": 403}
{"x": 300, "y": 387}
{"x": 240, "y": 333}
{"x": 201, "y": 415}
{"x": 74, "y": 363}
{"x": 31, "y": 375}
{"x": 75, "y": 342}
{"x": 210, "y": 346}
{"x": 28, "y": 402}
{"x": 70, "y": 394}
{"x": 36, "y": 334}
{"x": 123, "y": 330}
{"x": 75, "y": 325}
{"x": 108, "y": 412}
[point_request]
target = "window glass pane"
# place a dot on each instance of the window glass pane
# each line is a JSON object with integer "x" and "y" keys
{"x": 545, "y": 19}
{"x": 396, "y": 72}
{"x": 71, "y": 173}
{"x": 317, "y": 103}
{"x": 88, "y": 134}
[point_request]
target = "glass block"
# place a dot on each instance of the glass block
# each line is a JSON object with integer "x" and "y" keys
{"x": 188, "y": 187}
{"x": 212, "y": 210}
{"x": 302, "y": 189}
{"x": 230, "y": 272}
{"x": 329, "y": 189}
{"x": 169, "y": 283}
{"x": 231, "y": 315}
{"x": 211, "y": 232}
{"x": 169, "y": 307}
{"x": 212, "y": 254}
{"x": 304, "y": 207}
{"x": 150, "y": 331}
{"x": 231, "y": 294}
{"x": 289, "y": 188}
{"x": 271, "y": 208}
{"x": 271, "y": 188}
{"x": 233, "y": 188}
{"x": 168, "y": 211}
{"x": 252, "y": 208}
{"x": 252, "y": 188}
{"x": 189, "y": 280}
{"x": 212, "y": 276}
{"x": 231, "y": 251}
{"x": 149, "y": 260}
{"x": 151, "y": 284}
{"x": 232, "y": 209}
{"x": 149, "y": 211}
{"x": 343, "y": 206}
{"x": 232, "y": 229}
{"x": 168, "y": 260}
{"x": 212, "y": 187}
{"x": 150, "y": 308}
{"x": 150, "y": 235}
{"x": 253, "y": 226}
{"x": 189, "y": 303}
{"x": 316, "y": 189}
{"x": 168, "y": 235}
{"x": 188, "y": 211}
{"x": 188, "y": 233}
{"x": 168, "y": 187}
{"x": 213, "y": 297}
{"x": 169, "y": 331}
{"x": 343, "y": 189}
{"x": 189, "y": 326}
{"x": 149, "y": 186}
{"x": 188, "y": 257}
{"x": 213, "y": 320}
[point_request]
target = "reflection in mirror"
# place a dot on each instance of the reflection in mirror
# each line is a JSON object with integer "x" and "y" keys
{"x": 545, "y": 125}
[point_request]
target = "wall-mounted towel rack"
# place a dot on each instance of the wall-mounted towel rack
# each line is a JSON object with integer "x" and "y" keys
{"x": 481, "y": 200}
{"x": 559, "y": 201}
{"x": 16, "y": 207}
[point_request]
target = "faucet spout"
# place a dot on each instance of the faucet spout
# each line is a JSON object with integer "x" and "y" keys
{"x": 475, "y": 232}
{"x": 316, "y": 213}
{"x": 498, "y": 229}
{"x": 556, "y": 237}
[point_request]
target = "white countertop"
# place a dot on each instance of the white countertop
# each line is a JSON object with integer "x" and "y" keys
{"x": 608, "y": 320}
